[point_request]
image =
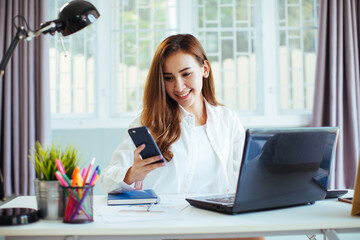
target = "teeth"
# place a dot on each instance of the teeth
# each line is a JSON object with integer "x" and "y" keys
{"x": 183, "y": 95}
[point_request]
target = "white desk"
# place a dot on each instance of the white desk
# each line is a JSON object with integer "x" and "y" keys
{"x": 326, "y": 217}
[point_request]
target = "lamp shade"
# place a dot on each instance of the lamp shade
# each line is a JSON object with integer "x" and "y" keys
{"x": 76, "y": 15}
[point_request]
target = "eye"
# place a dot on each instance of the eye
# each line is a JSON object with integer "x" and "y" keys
{"x": 168, "y": 78}
{"x": 187, "y": 74}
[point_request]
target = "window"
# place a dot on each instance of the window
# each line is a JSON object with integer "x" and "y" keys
{"x": 297, "y": 24}
{"x": 262, "y": 52}
{"x": 72, "y": 71}
{"x": 135, "y": 32}
{"x": 228, "y": 32}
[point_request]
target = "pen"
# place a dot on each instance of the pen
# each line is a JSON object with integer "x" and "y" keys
{"x": 83, "y": 173}
{"x": 347, "y": 200}
{"x": 75, "y": 177}
{"x": 149, "y": 207}
{"x": 60, "y": 166}
{"x": 88, "y": 170}
{"x": 61, "y": 179}
{"x": 96, "y": 178}
{"x": 95, "y": 173}
{"x": 66, "y": 178}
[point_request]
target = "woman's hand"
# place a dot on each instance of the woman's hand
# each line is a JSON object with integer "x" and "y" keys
{"x": 141, "y": 167}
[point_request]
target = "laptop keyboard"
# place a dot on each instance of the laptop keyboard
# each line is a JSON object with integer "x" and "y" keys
{"x": 227, "y": 199}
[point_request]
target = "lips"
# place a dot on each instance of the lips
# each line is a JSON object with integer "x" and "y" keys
{"x": 183, "y": 95}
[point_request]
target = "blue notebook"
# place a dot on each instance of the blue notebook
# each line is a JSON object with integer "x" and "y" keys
{"x": 133, "y": 197}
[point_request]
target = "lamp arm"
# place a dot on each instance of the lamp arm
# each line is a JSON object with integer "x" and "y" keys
{"x": 20, "y": 34}
{"x": 48, "y": 27}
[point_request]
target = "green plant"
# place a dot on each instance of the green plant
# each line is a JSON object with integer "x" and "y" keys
{"x": 44, "y": 160}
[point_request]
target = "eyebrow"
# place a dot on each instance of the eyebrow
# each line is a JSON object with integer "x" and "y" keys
{"x": 182, "y": 70}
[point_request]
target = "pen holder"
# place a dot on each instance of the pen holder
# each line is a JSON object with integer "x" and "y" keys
{"x": 78, "y": 204}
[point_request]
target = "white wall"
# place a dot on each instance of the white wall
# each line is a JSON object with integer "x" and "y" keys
{"x": 98, "y": 143}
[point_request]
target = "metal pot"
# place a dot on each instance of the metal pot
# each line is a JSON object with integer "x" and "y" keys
{"x": 50, "y": 199}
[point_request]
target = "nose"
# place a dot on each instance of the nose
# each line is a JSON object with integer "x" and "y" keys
{"x": 179, "y": 84}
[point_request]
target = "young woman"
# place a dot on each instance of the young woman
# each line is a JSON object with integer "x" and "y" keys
{"x": 201, "y": 140}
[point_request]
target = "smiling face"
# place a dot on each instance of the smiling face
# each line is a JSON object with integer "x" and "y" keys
{"x": 183, "y": 76}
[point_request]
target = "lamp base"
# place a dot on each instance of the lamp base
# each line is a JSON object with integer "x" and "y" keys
{"x": 17, "y": 216}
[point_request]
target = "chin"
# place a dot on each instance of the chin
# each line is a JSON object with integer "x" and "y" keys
{"x": 186, "y": 104}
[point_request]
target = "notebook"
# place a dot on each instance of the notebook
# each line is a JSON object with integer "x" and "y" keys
{"x": 281, "y": 167}
{"x": 146, "y": 196}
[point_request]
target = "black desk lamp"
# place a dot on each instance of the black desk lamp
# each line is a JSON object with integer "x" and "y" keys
{"x": 73, "y": 17}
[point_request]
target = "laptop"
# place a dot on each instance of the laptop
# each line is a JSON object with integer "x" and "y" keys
{"x": 281, "y": 167}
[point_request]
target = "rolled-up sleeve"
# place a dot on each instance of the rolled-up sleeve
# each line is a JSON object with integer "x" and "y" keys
{"x": 112, "y": 177}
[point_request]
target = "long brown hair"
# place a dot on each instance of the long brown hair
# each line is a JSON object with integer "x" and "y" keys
{"x": 160, "y": 112}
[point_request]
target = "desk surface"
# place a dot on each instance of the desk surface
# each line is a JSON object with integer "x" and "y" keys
{"x": 192, "y": 222}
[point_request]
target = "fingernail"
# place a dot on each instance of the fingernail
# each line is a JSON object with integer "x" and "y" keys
{"x": 142, "y": 145}
{"x": 160, "y": 157}
{"x": 163, "y": 164}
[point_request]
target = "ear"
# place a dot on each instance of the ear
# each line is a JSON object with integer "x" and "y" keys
{"x": 206, "y": 68}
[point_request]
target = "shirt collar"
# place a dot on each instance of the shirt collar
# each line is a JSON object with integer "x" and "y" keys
{"x": 210, "y": 111}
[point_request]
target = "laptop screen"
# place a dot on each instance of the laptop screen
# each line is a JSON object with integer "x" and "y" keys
{"x": 283, "y": 167}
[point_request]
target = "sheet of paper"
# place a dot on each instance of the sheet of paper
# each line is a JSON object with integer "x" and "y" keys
{"x": 136, "y": 213}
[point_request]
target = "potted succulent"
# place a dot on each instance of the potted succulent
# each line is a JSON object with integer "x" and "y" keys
{"x": 49, "y": 193}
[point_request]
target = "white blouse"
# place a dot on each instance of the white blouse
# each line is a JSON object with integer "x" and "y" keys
{"x": 205, "y": 163}
{"x": 226, "y": 136}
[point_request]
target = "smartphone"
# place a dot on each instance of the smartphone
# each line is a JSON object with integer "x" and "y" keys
{"x": 142, "y": 135}
{"x": 335, "y": 193}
